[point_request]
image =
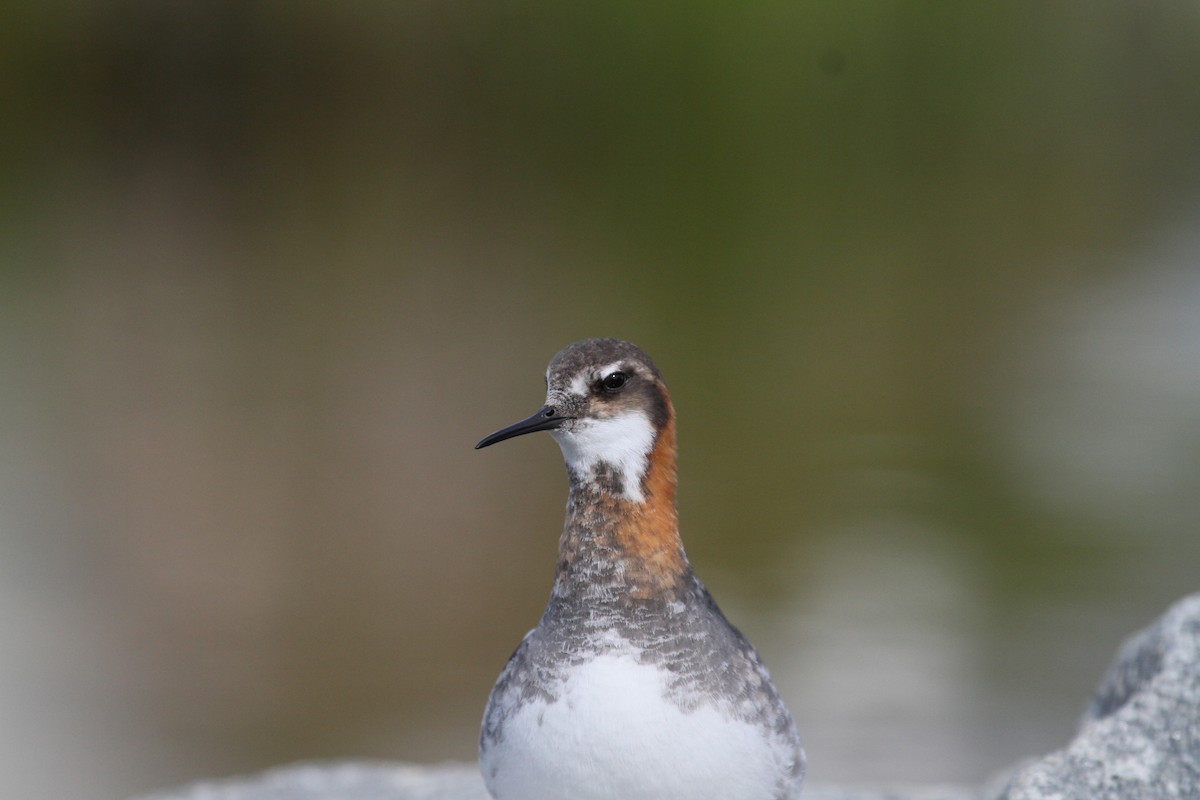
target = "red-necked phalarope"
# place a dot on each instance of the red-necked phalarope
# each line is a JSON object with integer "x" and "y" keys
{"x": 633, "y": 686}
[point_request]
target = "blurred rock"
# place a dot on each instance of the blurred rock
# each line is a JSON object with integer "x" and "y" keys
{"x": 450, "y": 781}
{"x": 1139, "y": 740}
{"x": 343, "y": 781}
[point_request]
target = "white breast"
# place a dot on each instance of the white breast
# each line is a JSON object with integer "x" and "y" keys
{"x": 612, "y": 734}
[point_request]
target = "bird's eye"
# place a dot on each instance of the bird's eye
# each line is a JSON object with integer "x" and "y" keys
{"x": 614, "y": 381}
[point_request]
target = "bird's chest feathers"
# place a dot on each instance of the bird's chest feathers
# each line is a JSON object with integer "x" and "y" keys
{"x": 612, "y": 726}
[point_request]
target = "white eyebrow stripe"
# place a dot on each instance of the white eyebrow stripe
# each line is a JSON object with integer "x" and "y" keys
{"x": 611, "y": 368}
{"x": 582, "y": 382}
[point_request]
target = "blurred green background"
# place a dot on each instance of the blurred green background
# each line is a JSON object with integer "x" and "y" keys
{"x": 924, "y": 280}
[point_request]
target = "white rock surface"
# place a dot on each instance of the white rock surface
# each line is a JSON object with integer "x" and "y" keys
{"x": 348, "y": 780}
{"x": 449, "y": 781}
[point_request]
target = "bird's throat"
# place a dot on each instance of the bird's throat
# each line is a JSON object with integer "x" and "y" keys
{"x": 635, "y": 543}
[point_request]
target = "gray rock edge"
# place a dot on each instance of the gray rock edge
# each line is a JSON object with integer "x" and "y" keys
{"x": 1138, "y": 740}
{"x": 1140, "y": 736}
{"x": 360, "y": 780}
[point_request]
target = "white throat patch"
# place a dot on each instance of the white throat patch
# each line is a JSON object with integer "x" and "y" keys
{"x": 623, "y": 442}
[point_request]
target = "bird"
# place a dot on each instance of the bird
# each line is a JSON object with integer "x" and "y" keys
{"x": 633, "y": 685}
